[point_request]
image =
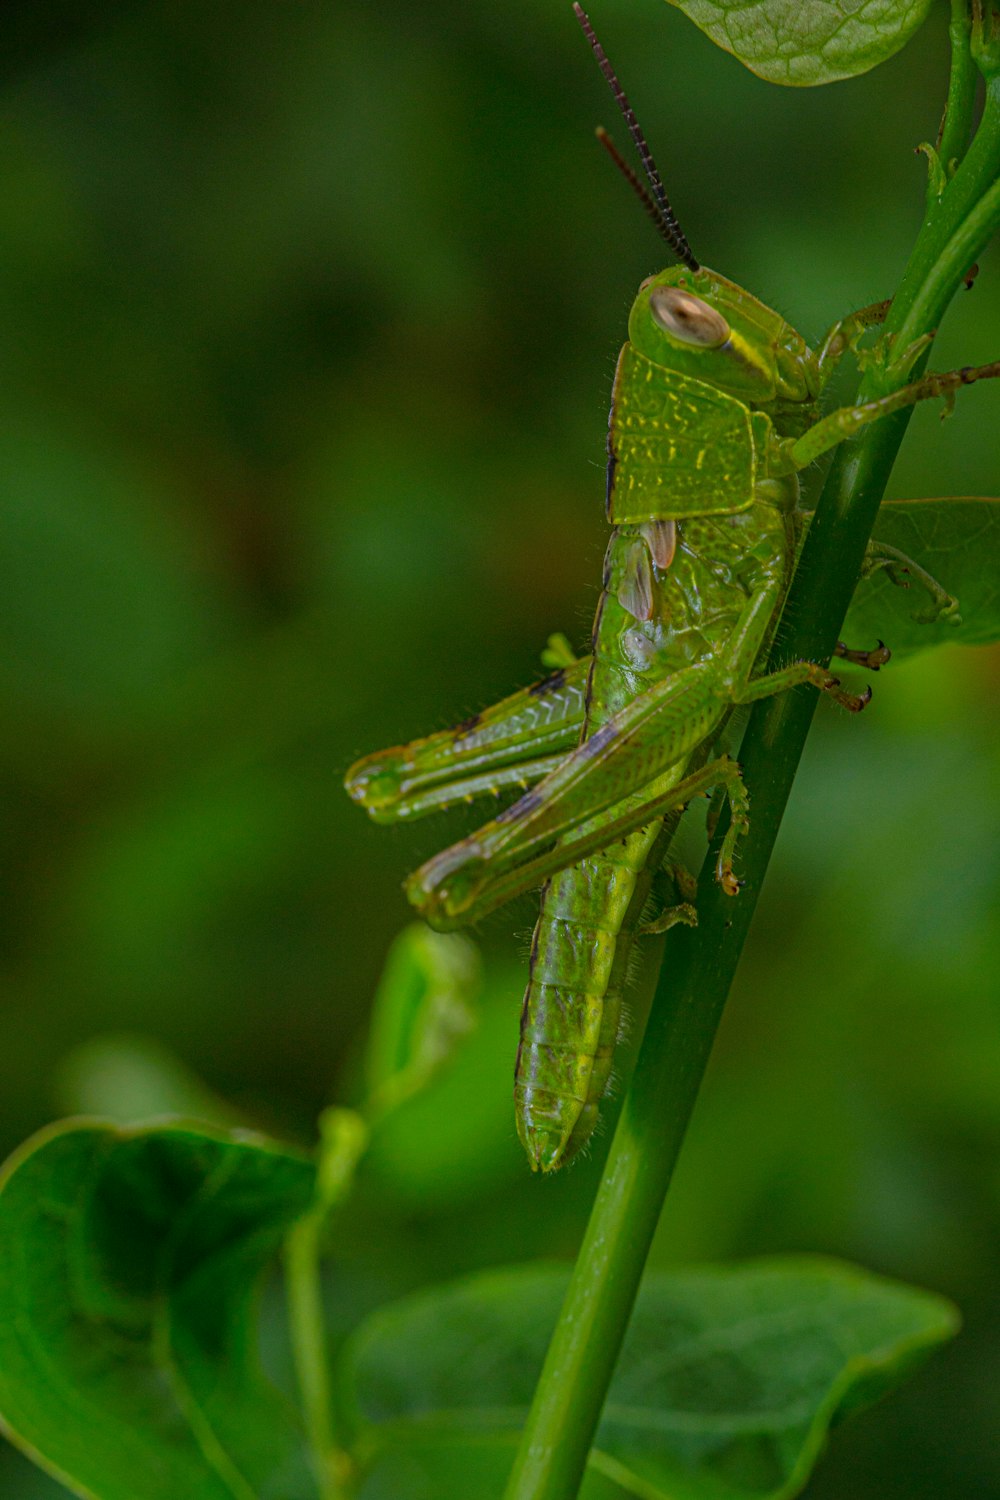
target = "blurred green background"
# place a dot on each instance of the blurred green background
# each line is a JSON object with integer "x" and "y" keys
{"x": 309, "y": 316}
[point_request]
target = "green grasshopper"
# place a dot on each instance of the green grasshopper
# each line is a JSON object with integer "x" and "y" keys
{"x": 714, "y": 414}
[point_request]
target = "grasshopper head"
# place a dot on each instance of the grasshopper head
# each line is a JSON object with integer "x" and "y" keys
{"x": 690, "y": 319}
{"x": 703, "y": 326}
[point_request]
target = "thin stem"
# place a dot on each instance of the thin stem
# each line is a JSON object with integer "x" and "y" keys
{"x": 963, "y": 236}
{"x": 303, "y": 1259}
{"x": 699, "y": 964}
{"x": 343, "y": 1140}
{"x": 925, "y": 289}
{"x": 962, "y": 82}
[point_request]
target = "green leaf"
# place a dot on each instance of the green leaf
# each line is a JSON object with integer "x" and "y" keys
{"x": 454, "y": 1141}
{"x": 729, "y": 1379}
{"x": 786, "y": 41}
{"x": 958, "y": 542}
{"x": 129, "y": 1078}
{"x": 424, "y": 1009}
{"x": 128, "y": 1264}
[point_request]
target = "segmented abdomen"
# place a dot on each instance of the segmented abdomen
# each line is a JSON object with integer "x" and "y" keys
{"x": 572, "y": 1006}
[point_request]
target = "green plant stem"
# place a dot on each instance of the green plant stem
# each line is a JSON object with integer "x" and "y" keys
{"x": 927, "y": 285}
{"x": 303, "y": 1261}
{"x": 699, "y": 964}
{"x": 344, "y": 1138}
{"x": 962, "y": 81}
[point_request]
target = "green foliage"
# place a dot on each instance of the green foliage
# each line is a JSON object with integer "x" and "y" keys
{"x": 128, "y": 1265}
{"x": 448, "y": 1144}
{"x": 128, "y": 1364}
{"x": 423, "y": 1008}
{"x": 246, "y": 545}
{"x": 728, "y": 1381}
{"x": 436, "y": 1060}
{"x": 786, "y": 41}
{"x": 129, "y": 1078}
{"x": 958, "y": 542}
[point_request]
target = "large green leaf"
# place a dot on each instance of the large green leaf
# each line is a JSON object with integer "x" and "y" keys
{"x": 128, "y": 1263}
{"x": 801, "y": 44}
{"x": 728, "y": 1382}
{"x": 958, "y": 542}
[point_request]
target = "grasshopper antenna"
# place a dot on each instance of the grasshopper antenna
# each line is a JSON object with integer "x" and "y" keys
{"x": 634, "y": 183}
{"x": 664, "y": 214}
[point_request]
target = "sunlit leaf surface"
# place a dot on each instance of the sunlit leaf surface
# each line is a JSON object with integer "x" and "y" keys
{"x": 804, "y": 42}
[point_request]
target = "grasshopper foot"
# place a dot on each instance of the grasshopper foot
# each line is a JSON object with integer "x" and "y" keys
{"x": 946, "y": 613}
{"x": 669, "y": 918}
{"x": 853, "y": 702}
{"x": 685, "y": 888}
{"x": 870, "y": 660}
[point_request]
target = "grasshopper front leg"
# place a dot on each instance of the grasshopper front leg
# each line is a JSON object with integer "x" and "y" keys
{"x": 943, "y": 606}
{"x": 901, "y": 570}
{"x": 844, "y": 335}
{"x": 800, "y": 452}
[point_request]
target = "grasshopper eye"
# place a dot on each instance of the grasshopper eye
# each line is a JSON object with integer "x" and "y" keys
{"x": 687, "y": 318}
